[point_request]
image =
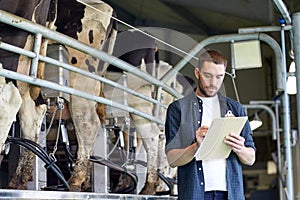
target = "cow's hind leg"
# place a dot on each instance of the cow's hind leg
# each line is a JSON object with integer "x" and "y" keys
{"x": 87, "y": 125}
{"x": 149, "y": 133}
{"x": 31, "y": 117}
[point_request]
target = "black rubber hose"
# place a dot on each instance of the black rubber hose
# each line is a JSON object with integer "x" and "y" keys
{"x": 34, "y": 144}
{"x": 41, "y": 154}
{"x": 102, "y": 161}
{"x": 30, "y": 145}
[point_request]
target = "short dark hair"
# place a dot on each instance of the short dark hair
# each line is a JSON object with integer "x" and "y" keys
{"x": 212, "y": 56}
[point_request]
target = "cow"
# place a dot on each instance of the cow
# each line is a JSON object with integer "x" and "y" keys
{"x": 97, "y": 30}
{"x": 83, "y": 23}
{"x": 140, "y": 50}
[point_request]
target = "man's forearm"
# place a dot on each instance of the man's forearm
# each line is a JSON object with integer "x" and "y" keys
{"x": 178, "y": 157}
{"x": 247, "y": 156}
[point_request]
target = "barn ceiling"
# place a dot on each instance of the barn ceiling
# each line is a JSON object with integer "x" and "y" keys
{"x": 201, "y": 17}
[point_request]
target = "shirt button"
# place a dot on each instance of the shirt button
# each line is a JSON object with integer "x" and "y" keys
{"x": 201, "y": 183}
{"x": 200, "y": 169}
{"x": 195, "y": 104}
{"x": 198, "y": 122}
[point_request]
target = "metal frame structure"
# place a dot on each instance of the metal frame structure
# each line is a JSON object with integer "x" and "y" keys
{"x": 281, "y": 86}
{"x": 41, "y": 31}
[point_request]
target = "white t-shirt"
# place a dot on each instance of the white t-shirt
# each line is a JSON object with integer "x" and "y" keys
{"x": 214, "y": 170}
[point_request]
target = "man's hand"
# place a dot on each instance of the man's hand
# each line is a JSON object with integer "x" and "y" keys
{"x": 200, "y": 134}
{"x": 179, "y": 157}
{"x": 235, "y": 141}
{"x": 237, "y": 144}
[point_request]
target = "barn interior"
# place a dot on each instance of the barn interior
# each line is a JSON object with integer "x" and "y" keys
{"x": 199, "y": 20}
{"x": 253, "y": 27}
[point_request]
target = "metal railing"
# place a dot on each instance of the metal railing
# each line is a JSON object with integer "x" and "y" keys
{"x": 41, "y": 31}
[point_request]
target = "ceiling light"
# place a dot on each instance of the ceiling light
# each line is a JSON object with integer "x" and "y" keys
{"x": 291, "y": 85}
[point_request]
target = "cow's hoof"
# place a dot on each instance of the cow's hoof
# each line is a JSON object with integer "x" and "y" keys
{"x": 75, "y": 188}
{"x": 148, "y": 189}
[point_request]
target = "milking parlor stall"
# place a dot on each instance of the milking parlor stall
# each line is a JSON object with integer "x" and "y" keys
{"x": 83, "y": 103}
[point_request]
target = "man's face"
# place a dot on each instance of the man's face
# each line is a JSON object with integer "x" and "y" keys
{"x": 210, "y": 79}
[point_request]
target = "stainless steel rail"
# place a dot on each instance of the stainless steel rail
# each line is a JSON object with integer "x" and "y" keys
{"x": 39, "y": 30}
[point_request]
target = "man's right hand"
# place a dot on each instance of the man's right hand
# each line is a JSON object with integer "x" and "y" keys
{"x": 200, "y": 134}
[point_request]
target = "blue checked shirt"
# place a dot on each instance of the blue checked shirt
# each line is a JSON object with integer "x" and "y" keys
{"x": 182, "y": 121}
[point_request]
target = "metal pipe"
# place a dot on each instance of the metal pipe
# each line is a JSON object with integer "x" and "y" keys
{"x": 57, "y": 63}
{"x": 278, "y": 143}
{"x": 283, "y": 11}
{"x": 65, "y": 89}
{"x": 29, "y": 26}
{"x": 36, "y": 50}
{"x": 287, "y": 122}
{"x": 10, "y": 194}
{"x": 296, "y": 42}
{"x": 296, "y": 33}
{"x": 17, "y": 50}
{"x": 264, "y": 29}
{"x": 159, "y": 99}
{"x": 269, "y": 110}
{"x": 228, "y": 38}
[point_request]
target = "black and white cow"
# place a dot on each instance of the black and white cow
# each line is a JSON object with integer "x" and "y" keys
{"x": 95, "y": 29}
{"x": 140, "y": 50}
{"x": 86, "y": 25}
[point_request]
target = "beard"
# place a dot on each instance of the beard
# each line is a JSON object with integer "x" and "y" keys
{"x": 207, "y": 91}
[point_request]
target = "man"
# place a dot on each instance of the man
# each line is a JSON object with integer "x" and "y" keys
{"x": 187, "y": 122}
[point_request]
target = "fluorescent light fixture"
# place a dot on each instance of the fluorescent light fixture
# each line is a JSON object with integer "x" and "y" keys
{"x": 291, "y": 84}
{"x": 255, "y": 122}
{"x": 247, "y": 54}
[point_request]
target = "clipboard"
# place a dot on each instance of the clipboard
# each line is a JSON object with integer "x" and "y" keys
{"x": 213, "y": 146}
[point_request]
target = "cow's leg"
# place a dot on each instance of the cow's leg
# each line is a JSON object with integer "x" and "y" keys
{"x": 30, "y": 129}
{"x": 151, "y": 147}
{"x": 149, "y": 133}
{"x": 31, "y": 117}
{"x": 163, "y": 165}
{"x": 162, "y": 162}
{"x": 87, "y": 184}
{"x": 87, "y": 124}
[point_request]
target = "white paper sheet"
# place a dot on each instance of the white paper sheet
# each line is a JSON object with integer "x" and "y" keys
{"x": 213, "y": 146}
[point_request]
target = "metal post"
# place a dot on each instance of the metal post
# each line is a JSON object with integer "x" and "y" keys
{"x": 35, "y": 60}
{"x": 286, "y": 121}
{"x": 39, "y": 172}
{"x": 100, "y": 173}
{"x": 278, "y": 143}
{"x": 296, "y": 44}
{"x": 269, "y": 110}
